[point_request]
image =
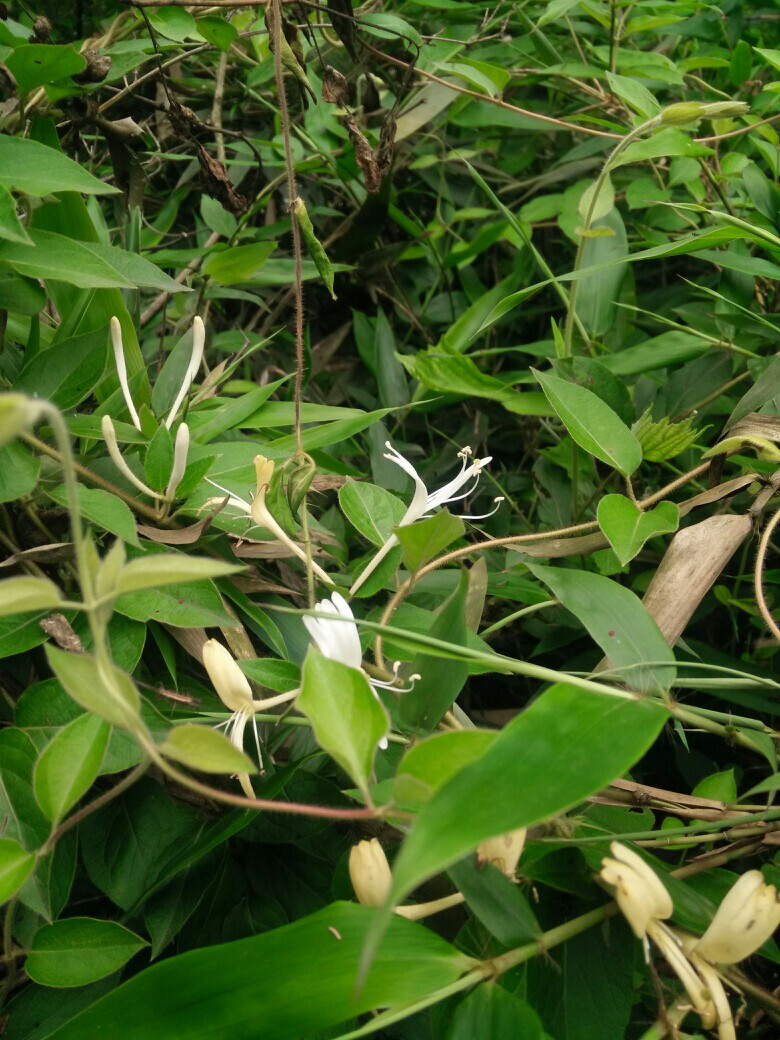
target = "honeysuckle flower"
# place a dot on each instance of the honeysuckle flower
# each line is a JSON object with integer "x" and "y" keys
{"x": 234, "y": 691}
{"x": 645, "y": 904}
{"x": 260, "y": 513}
{"x": 503, "y": 852}
{"x": 198, "y": 341}
{"x": 747, "y": 917}
{"x": 371, "y": 880}
{"x": 424, "y": 502}
{"x": 715, "y": 988}
{"x": 182, "y": 442}
{"x": 639, "y": 892}
{"x": 339, "y": 640}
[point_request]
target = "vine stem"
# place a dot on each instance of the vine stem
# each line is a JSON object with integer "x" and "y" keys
{"x": 763, "y": 545}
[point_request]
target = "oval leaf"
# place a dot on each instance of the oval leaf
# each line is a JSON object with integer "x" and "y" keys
{"x": 69, "y": 764}
{"x": 199, "y": 747}
{"x": 20, "y": 594}
{"x": 628, "y": 528}
{"x": 112, "y": 695}
{"x": 592, "y": 423}
{"x": 15, "y": 867}
{"x": 80, "y": 950}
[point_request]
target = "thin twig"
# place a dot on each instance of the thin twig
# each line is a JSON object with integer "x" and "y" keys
{"x": 763, "y": 606}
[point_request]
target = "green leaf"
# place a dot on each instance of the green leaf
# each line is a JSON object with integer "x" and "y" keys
{"x": 217, "y": 31}
{"x": 34, "y": 64}
{"x": 158, "y": 569}
{"x": 183, "y": 605}
{"x": 200, "y": 747}
{"x": 628, "y": 528}
{"x": 36, "y": 169}
{"x": 459, "y": 375}
{"x": 346, "y": 716}
{"x": 20, "y": 594}
{"x": 566, "y": 745}
{"x": 19, "y": 470}
{"x": 618, "y": 621}
{"x": 441, "y": 679}
{"x": 491, "y": 1011}
{"x": 158, "y": 461}
{"x": 390, "y": 375}
{"x": 15, "y": 867}
{"x": 102, "y": 509}
{"x": 720, "y": 786}
{"x": 67, "y": 372}
{"x": 765, "y": 388}
{"x": 174, "y": 23}
{"x": 269, "y": 981}
{"x": 238, "y": 263}
{"x": 603, "y": 204}
{"x": 214, "y": 215}
{"x": 69, "y": 764}
{"x": 314, "y": 247}
{"x": 106, "y": 692}
{"x": 10, "y": 225}
{"x": 426, "y": 538}
{"x": 555, "y": 9}
{"x": 371, "y": 510}
{"x": 635, "y": 95}
{"x": 22, "y": 819}
{"x": 592, "y": 423}
{"x": 390, "y": 27}
{"x": 666, "y": 142}
{"x": 61, "y": 259}
{"x": 430, "y": 763}
{"x": 496, "y": 901}
{"x": 80, "y": 950}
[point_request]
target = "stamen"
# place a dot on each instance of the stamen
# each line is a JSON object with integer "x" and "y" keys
{"x": 484, "y": 516}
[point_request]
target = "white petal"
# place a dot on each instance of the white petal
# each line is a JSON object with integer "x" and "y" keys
{"x": 198, "y": 339}
{"x": 227, "y": 678}
{"x": 419, "y": 501}
{"x": 180, "y": 452}
{"x": 121, "y": 370}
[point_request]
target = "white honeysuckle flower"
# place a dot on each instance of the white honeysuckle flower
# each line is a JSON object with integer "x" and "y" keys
{"x": 639, "y": 892}
{"x": 712, "y": 980}
{"x": 369, "y": 873}
{"x": 182, "y": 443}
{"x": 234, "y": 691}
{"x": 260, "y": 514}
{"x": 503, "y": 852}
{"x": 339, "y": 640}
{"x": 747, "y": 917}
{"x": 424, "y": 501}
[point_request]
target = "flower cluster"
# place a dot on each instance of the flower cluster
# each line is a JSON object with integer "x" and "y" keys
{"x": 746, "y": 918}
{"x": 182, "y": 442}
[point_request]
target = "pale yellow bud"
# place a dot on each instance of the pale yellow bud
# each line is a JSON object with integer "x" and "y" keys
{"x": 503, "y": 852}
{"x": 639, "y": 892}
{"x": 747, "y": 917}
{"x": 227, "y": 678}
{"x": 369, "y": 873}
{"x": 17, "y": 414}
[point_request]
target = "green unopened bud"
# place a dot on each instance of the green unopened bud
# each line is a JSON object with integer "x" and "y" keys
{"x": 300, "y": 472}
{"x": 17, "y": 414}
{"x": 685, "y": 112}
{"x": 313, "y": 244}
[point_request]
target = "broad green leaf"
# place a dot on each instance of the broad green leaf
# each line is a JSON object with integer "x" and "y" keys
{"x": 10, "y": 225}
{"x": 270, "y": 985}
{"x": 597, "y": 378}
{"x": 199, "y": 747}
{"x": 598, "y": 293}
{"x": 562, "y": 748}
{"x": 721, "y": 786}
{"x": 238, "y": 263}
{"x": 329, "y": 433}
{"x": 158, "y": 461}
{"x": 592, "y": 423}
{"x": 765, "y": 388}
{"x": 170, "y": 569}
{"x": 370, "y": 509}
{"x": 456, "y": 374}
{"x": 69, "y": 764}
{"x": 36, "y": 169}
{"x": 67, "y": 372}
{"x": 628, "y": 527}
{"x": 66, "y": 260}
{"x": 492, "y": 1011}
{"x": 496, "y": 901}
{"x": 667, "y": 142}
{"x": 175, "y": 23}
{"x": 441, "y": 679}
{"x": 390, "y": 375}
{"x": 80, "y": 950}
{"x": 670, "y": 348}
{"x": 390, "y": 27}
{"x": 618, "y": 621}
{"x": 22, "y": 819}
{"x": 215, "y": 217}
{"x": 635, "y": 95}
{"x": 107, "y": 692}
{"x": 430, "y": 763}
{"x": 555, "y": 9}
{"x": 181, "y": 604}
{"x": 346, "y": 716}
{"x": 102, "y": 509}
{"x": 20, "y": 594}
{"x": 15, "y": 867}
{"x": 19, "y": 470}
{"x": 601, "y": 205}
{"x": 34, "y": 64}
{"x": 426, "y": 538}
{"x": 217, "y": 30}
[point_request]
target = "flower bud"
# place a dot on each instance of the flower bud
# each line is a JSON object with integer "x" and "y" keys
{"x": 180, "y": 452}
{"x": 369, "y": 873}
{"x": 227, "y": 678}
{"x": 17, "y": 413}
{"x": 503, "y": 852}
{"x": 121, "y": 369}
{"x": 747, "y": 917}
{"x": 639, "y": 892}
{"x": 685, "y": 112}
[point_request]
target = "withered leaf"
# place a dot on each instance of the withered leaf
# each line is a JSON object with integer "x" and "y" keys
{"x": 59, "y": 628}
{"x": 364, "y": 157}
{"x": 216, "y": 183}
{"x": 181, "y": 535}
{"x": 384, "y": 155}
{"x": 335, "y": 89}
{"x": 343, "y": 22}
